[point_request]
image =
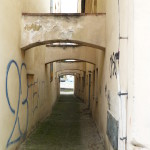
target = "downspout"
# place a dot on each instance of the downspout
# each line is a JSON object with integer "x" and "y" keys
{"x": 122, "y": 136}
{"x": 122, "y": 116}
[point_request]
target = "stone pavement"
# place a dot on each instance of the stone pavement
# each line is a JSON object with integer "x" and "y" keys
{"x": 70, "y": 127}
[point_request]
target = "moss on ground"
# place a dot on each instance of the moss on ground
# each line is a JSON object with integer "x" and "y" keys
{"x": 68, "y": 128}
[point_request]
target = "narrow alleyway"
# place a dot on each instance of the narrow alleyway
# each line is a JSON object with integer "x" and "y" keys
{"x": 70, "y": 127}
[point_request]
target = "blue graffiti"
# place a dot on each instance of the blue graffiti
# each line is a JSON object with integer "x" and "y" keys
{"x": 23, "y": 102}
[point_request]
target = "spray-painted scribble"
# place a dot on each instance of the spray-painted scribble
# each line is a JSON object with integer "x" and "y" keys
{"x": 23, "y": 102}
{"x": 113, "y": 65}
{"x": 105, "y": 89}
{"x": 107, "y": 95}
{"x": 108, "y": 99}
{"x": 42, "y": 93}
{"x": 35, "y": 95}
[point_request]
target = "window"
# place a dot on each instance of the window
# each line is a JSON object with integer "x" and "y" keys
{"x": 83, "y": 6}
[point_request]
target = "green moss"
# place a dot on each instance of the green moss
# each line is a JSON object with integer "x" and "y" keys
{"x": 70, "y": 127}
{"x": 60, "y": 130}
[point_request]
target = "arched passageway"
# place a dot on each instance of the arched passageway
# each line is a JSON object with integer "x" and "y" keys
{"x": 41, "y": 29}
{"x": 107, "y": 45}
{"x": 81, "y": 53}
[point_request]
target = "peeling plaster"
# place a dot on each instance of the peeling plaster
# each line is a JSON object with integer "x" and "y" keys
{"x": 38, "y": 29}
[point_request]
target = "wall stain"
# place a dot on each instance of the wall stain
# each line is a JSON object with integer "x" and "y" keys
{"x": 34, "y": 27}
{"x": 35, "y": 95}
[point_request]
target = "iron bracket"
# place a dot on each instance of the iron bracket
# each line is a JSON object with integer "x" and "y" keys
{"x": 122, "y": 94}
{"x": 123, "y": 38}
{"x": 123, "y": 138}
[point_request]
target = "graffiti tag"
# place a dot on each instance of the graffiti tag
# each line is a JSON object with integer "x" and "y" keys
{"x": 113, "y": 65}
{"x": 21, "y": 101}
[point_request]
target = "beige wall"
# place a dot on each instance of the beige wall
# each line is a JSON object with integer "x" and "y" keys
{"x": 95, "y": 6}
{"x": 16, "y": 106}
{"x": 10, "y": 14}
{"x": 131, "y": 69}
{"x": 81, "y": 53}
{"x": 49, "y": 29}
{"x": 106, "y": 97}
{"x": 139, "y": 115}
{"x": 36, "y": 6}
{"x": 66, "y": 66}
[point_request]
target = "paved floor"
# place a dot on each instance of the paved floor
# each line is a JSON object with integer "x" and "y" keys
{"x": 70, "y": 127}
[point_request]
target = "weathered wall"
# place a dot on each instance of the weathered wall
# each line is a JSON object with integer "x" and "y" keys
{"x": 36, "y": 6}
{"x": 70, "y": 66}
{"x": 106, "y": 87}
{"x": 95, "y": 6}
{"x": 89, "y": 90}
{"x": 127, "y": 29}
{"x": 42, "y": 29}
{"x": 42, "y": 91}
{"x": 74, "y": 72}
{"x": 79, "y": 6}
{"x": 91, "y": 6}
{"x": 82, "y": 53}
{"x": 139, "y": 100}
{"x": 25, "y": 88}
{"x": 24, "y": 99}
{"x": 11, "y": 97}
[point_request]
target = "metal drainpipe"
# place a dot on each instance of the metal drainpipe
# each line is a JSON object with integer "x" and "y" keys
{"x": 122, "y": 116}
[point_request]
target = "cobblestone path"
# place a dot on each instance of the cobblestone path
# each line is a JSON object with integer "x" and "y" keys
{"x": 70, "y": 127}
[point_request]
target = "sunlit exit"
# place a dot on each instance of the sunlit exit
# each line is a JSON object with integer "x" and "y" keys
{"x": 66, "y": 84}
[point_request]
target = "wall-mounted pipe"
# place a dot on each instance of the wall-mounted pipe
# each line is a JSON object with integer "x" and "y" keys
{"x": 122, "y": 117}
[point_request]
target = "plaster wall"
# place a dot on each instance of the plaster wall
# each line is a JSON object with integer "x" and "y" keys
{"x": 25, "y": 97}
{"x": 9, "y": 50}
{"x": 42, "y": 91}
{"x": 101, "y": 6}
{"x": 108, "y": 67}
{"x": 79, "y": 53}
{"x": 38, "y": 30}
{"x": 129, "y": 21}
{"x": 140, "y": 121}
{"x": 113, "y": 83}
{"x": 36, "y": 6}
{"x": 65, "y": 72}
{"x": 70, "y": 66}
{"x": 79, "y": 6}
{"x": 91, "y": 6}
{"x": 89, "y": 98}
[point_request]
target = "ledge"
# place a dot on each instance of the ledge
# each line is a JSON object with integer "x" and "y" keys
{"x": 63, "y": 14}
{"x": 80, "y": 43}
{"x": 30, "y": 72}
